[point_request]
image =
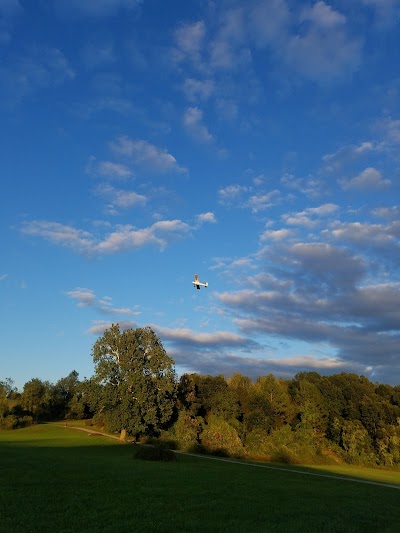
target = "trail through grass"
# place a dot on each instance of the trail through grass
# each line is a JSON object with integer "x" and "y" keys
{"x": 57, "y": 479}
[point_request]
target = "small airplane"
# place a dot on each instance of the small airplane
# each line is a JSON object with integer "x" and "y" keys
{"x": 198, "y": 283}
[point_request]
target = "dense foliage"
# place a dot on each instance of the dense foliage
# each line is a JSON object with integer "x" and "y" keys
{"x": 310, "y": 418}
{"x": 133, "y": 388}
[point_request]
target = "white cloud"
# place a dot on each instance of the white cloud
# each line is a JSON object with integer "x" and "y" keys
{"x": 206, "y": 217}
{"x": 276, "y": 235}
{"x": 87, "y": 298}
{"x": 260, "y": 202}
{"x": 3, "y": 277}
{"x": 198, "y": 89}
{"x": 370, "y": 178}
{"x": 147, "y": 155}
{"x": 120, "y": 198}
{"x": 189, "y": 41}
{"x": 194, "y": 337}
{"x": 193, "y": 122}
{"x": 391, "y": 213}
{"x": 160, "y": 234}
{"x": 232, "y": 194}
{"x": 268, "y": 22}
{"x": 226, "y": 50}
{"x": 313, "y": 41}
{"x": 108, "y": 169}
{"x": 322, "y": 15}
{"x": 311, "y": 216}
{"x": 39, "y": 68}
{"x": 363, "y": 234}
{"x": 325, "y": 50}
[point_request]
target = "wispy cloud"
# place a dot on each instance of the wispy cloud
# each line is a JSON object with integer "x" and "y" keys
{"x": 193, "y": 122}
{"x": 99, "y": 326}
{"x": 108, "y": 170}
{"x": 370, "y": 178}
{"x": 195, "y": 89}
{"x": 123, "y": 238}
{"x": 38, "y": 68}
{"x": 87, "y": 298}
{"x": 254, "y": 198}
{"x": 120, "y": 198}
{"x": 147, "y": 155}
{"x": 189, "y": 42}
{"x": 311, "y": 216}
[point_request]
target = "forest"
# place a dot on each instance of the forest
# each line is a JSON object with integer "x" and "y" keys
{"x": 311, "y": 418}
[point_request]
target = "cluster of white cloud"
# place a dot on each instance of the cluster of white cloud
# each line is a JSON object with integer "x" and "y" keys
{"x": 123, "y": 238}
{"x": 87, "y": 298}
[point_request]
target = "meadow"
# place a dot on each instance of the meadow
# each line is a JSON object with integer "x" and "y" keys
{"x": 60, "y": 479}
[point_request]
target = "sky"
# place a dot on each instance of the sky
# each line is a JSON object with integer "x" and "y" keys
{"x": 255, "y": 143}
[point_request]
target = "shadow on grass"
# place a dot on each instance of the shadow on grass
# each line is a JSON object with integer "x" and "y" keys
{"x": 65, "y": 480}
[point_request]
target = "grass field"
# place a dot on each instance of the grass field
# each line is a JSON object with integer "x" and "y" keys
{"x": 59, "y": 479}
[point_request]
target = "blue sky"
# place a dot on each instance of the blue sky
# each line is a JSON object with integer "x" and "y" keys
{"x": 255, "y": 143}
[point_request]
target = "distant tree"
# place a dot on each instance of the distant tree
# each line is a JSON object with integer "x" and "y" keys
{"x": 134, "y": 384}
{"x": 357, "y": 443}
{"x": 206, "y": 395}
{"x": 311, "y": 406}
{"x": 241, "y": 386}
{"x": 275, "y": 393}
{"x": 63, "y": 393}
{"x": 3, "y": 400}
{"x": 36, "y": 398}
{"x": 7, "y": 388}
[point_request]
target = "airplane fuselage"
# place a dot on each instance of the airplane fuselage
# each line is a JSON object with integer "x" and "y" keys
{"x": 199, "y": 284}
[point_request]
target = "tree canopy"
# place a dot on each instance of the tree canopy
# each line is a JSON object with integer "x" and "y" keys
{"x": 134, "y": 381}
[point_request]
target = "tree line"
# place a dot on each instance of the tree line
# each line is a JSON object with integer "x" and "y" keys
{"x": 135, "y": 391}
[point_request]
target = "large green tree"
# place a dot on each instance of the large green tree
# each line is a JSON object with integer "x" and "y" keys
{"x": 134, "y": 381}
{"x": 36, "y": 398}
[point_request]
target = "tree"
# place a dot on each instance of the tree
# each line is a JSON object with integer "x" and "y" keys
{"x": 134, "y": 383}
{"x": 311, "y": 406}
{"x": 36, "y": 398}
{"x": 205, "y": 395}
{"x": 278, "y": 398}
{"x": 63, "y": 394}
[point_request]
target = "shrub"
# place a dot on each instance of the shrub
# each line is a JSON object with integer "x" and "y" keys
{"x": 219, "y": 437}
{"x": 9, "y": 422}
{"x": 154, "y": 453}
{"x": 185, "y": 432}
{"x": 25, "y": 421}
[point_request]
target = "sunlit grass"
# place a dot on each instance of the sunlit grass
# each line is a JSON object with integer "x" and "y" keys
{"x": 58, "y": 479}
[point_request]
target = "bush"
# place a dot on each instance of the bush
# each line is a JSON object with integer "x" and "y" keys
{"x": 185, "y": 431}
{"x": 9, "y": 422}
{"x": 219, "y": 437}
{"x": 25, "y": 421}
{"x": 154, "y": 453}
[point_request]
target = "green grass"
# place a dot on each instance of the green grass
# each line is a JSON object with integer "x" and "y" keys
{"x": 59, "y": 479}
